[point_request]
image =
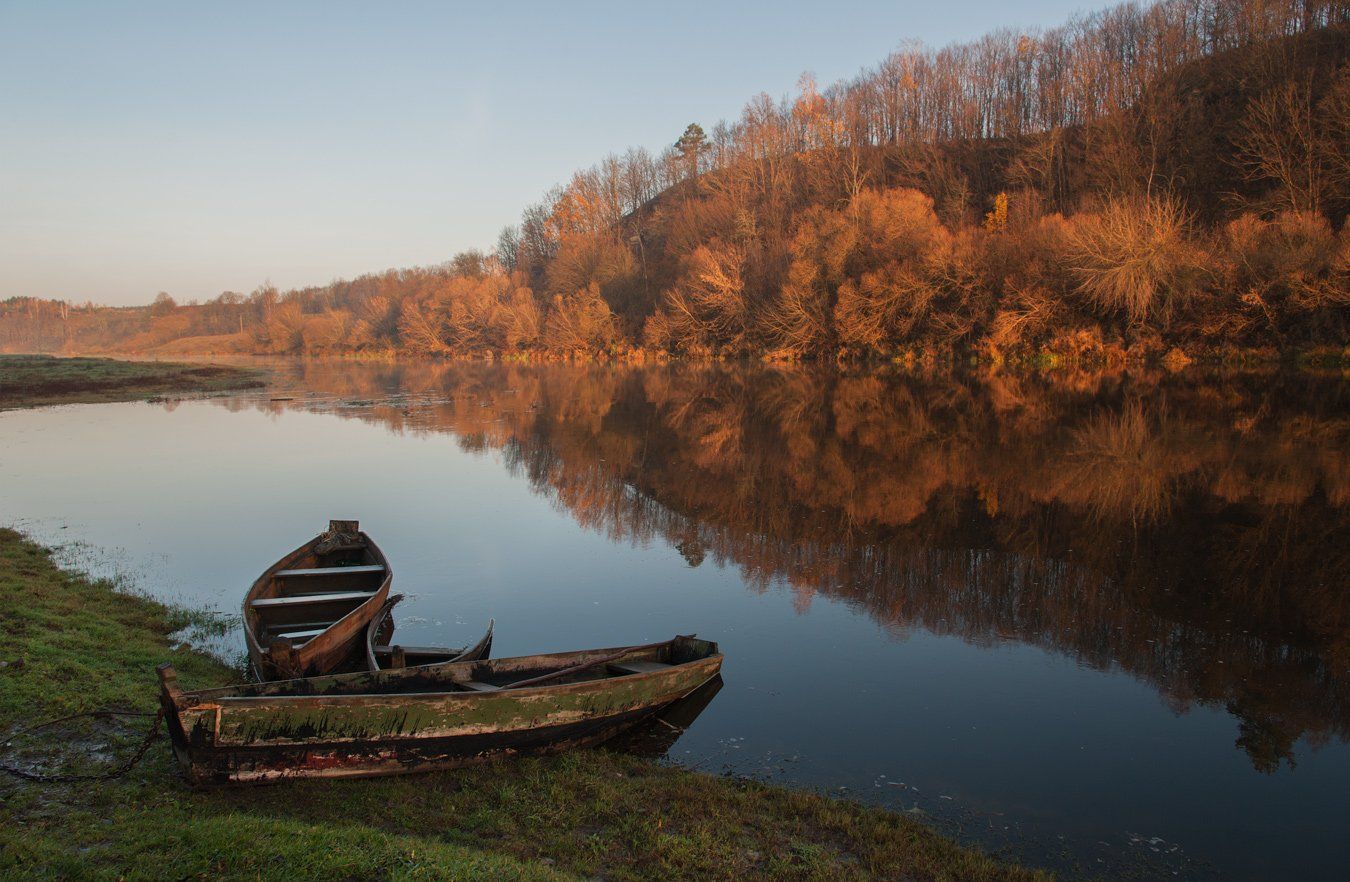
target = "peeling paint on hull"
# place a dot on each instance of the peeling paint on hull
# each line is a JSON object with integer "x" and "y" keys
{"x": 354, "y": 760}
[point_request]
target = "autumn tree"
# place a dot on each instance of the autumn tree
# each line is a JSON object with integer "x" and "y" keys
{"x": 580, "y": 324}
{"x": 163, "y": 305}
{"x": 892, "y": 258}
{"x": 1135, "y": 258}
{"x": 708, "y": 308}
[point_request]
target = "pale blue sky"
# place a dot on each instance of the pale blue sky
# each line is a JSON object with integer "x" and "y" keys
{"x": 197, "y": 148}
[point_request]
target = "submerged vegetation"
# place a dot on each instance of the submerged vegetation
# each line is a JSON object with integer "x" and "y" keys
{"x": 78, "y": 645}
{"x": 35, "y": 380}
{"x": 1140, "y": 180}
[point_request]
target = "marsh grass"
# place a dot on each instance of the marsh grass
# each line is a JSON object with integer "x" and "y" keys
{"x": 37, "y": 380}
{"x": 76, "y": 644}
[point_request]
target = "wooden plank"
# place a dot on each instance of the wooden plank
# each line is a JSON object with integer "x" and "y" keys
{"x": 303, "y": 599}
{"x": 420, "y": 650}
{"x": 476, "y": 686}
{"x": 299, "y": 635}
{"x": 310, "y": 628}
{"x": 583, "y": 666}
{"x": 328, "y": 571}
{"x": 320, "y": 586}
{"x": 638, "y": 667}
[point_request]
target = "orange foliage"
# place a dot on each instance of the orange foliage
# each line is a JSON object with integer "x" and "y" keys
{"x": 581, "y": 324}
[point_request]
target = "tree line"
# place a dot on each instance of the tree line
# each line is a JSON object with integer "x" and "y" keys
{"x": 1146, "y": 177}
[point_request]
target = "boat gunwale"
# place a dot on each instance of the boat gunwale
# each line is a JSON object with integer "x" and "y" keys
{"x": 187, "y": 700}
{"x": 380, "y": 699}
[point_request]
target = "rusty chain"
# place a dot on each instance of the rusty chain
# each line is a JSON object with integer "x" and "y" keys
{"x": 42, "y": 778}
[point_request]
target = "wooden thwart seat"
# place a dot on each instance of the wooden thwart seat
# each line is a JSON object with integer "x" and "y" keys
{"x": 410, "y": 650}
{"x": 638, "y": 667}
{"x": 328, "y": 571}
{"x": 304, "y": 599}
{"x": 299, "y": 635}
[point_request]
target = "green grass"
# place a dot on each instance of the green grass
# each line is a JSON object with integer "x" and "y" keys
{"x": 36, "y": 380}
{"x": 74, "y": 644}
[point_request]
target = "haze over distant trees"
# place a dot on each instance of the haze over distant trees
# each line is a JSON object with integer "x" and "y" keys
{"x": 1141, "y": 178}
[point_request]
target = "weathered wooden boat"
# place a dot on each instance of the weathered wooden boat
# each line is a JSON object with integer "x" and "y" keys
{"x": 382, "y": 654}
{"x": 428, "y": 717}
{"x": 307, "y": 613}
{"x": 655, "y": 737}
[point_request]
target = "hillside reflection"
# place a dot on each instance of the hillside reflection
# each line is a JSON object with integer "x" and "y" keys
{"x": 1192, "y": 532}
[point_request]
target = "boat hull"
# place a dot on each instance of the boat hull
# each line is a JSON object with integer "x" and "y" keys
{"x": 268, "y": 738}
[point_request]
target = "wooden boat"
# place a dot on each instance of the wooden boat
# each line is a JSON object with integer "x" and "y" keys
{"x": 307, "y": 613}
{"x": 428, "y": 717}
{"x": 380, "y": 654}
{"x": 655, "y": 737}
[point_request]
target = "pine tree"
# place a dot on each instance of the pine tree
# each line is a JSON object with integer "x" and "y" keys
{"x": 692, "y": 145}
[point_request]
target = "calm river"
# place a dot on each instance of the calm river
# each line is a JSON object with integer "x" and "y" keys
{"x": 1101, "y": 623}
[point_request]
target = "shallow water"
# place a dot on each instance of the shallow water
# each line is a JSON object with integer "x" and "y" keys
{"x": 1100, "y": 621}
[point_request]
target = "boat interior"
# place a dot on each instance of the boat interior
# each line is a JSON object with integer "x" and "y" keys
{"x": 489, "y": 675}
{"x": 399, "y": 656}
{"x": 314, "y": 588}
{"x": 387, "y": 654}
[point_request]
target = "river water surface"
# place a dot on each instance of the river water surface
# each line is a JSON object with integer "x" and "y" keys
{"x": 1101, "y": 623}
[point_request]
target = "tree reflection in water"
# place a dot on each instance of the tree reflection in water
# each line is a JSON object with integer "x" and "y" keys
{"x": 1191, "y": 530}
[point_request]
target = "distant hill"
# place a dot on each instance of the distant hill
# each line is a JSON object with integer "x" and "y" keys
{"x": 1169, "y": 180}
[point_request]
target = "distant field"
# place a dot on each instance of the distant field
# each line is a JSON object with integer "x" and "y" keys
{"x": 35, "y": 380}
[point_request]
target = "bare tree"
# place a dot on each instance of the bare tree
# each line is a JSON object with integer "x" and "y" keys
{"x": 1278, "y": 145}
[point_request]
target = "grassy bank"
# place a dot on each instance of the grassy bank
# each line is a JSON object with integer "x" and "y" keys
{"x": 35, "y": 380}
{"x": 76, "y": 644}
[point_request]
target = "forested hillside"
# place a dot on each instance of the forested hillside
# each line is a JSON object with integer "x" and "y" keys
{"x": 1142, "y": 179}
